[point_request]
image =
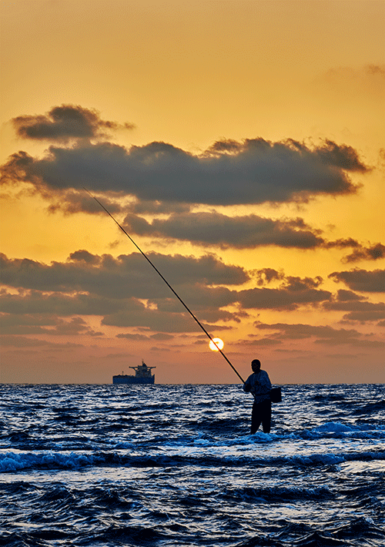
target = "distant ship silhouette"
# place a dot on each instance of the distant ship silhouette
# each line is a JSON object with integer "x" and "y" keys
{"x": 142, "y": 376}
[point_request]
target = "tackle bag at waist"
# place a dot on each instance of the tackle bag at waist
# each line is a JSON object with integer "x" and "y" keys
{"x": 275, "y": 395}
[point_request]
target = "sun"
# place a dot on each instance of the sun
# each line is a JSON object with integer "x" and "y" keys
{"x": 216, "y": 344}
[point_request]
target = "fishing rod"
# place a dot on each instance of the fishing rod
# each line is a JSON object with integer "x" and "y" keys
{"x": 168, "y": 284}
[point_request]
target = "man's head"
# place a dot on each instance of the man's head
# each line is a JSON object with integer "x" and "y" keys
{"x": 256, "y": 365}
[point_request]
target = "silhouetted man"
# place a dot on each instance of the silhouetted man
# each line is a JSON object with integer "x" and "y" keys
{"x": 259, "y": 385}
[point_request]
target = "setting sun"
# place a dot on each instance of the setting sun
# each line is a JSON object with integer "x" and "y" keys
{"x": 216, "y": 344}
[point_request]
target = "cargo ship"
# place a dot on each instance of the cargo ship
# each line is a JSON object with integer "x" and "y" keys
{"x": 142, "y": 376}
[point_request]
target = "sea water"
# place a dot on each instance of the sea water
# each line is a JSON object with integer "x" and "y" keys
{"x": 175, "y": 465}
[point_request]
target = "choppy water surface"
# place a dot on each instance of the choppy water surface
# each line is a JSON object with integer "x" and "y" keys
{"x": 175, "y": 465}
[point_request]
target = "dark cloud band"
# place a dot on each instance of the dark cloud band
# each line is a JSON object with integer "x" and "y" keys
{"x": 63, "y": 123}
{"x": 362, "y": 280}
{"x": 224, "y": 231}
{"x": 257, "y": 171}
{"x": 117, "y": 289}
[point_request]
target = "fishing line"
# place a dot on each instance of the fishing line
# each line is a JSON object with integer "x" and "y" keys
{"x": 167, "y": 283}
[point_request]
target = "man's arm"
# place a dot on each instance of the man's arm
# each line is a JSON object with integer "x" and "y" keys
{"x": 247, "y": 385}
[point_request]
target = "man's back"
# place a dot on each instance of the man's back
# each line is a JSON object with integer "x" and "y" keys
{"x": 259, "y": 385}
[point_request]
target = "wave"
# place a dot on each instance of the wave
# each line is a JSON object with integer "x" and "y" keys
{"x": 299, "y": 535}
{"x": 340, "y": 430}
{"x": 14, "y": 461}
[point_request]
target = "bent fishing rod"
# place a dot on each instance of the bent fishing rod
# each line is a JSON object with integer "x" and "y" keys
{"x": 167, "y": 283}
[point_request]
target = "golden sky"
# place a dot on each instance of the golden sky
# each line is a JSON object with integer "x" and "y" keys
{"x": 239, "y": 142}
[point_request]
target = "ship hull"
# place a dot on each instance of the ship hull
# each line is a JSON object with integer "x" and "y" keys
{"x": 126, "y": 379}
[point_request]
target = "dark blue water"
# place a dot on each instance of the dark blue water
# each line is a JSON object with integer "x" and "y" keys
{"x": 175, "y": 465}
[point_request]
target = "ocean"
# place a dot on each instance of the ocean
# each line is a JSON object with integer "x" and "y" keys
{"x": 175, "y": 465}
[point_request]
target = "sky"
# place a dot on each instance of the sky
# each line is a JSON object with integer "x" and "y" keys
{"x": 240, "y": 143}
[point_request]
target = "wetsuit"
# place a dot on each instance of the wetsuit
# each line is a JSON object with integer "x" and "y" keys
{"x": 259, "y": 385}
